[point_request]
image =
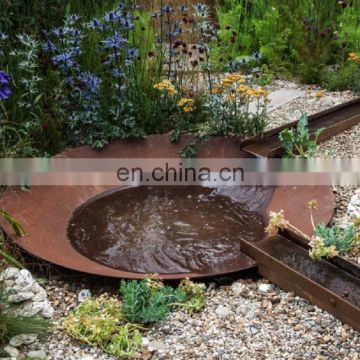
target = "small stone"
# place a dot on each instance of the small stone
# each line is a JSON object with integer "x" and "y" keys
{"x": 38, "y": 354}
{"x": 264, "y": 288}
{"x": 9, "y": 274}
{"x": 24, "y": 277}
{"x": 252, "y": 330}
{"x": 327, "y": 338}
{"x": 23, "y": 339}
{"x": 21, "y": 296}
{"x": 84, "y": 295}
{"x": 238, "y": 288}
{"x": 157, "y": 346}
{"x": 47, "y": 310}
{"x": 31, "y": 308}
{"x": 12, "y": 351}
{"x": 40, "y": 295}
{"x": 222, "y": 311}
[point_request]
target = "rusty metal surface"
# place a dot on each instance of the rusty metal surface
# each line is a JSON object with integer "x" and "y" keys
{"x": 333, "y": 121}
{"x": 45, "y": 211}
{"x": 331, "y": 292}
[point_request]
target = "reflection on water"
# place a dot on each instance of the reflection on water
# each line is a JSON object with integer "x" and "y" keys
{"x": 165, "y": 229}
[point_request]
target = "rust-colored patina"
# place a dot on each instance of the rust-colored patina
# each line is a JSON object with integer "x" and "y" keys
{"x": 45, "y": 212}
{"x": 332, "y": 284}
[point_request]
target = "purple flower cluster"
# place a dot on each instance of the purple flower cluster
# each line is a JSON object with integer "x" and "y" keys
{"x": 5, "y": 91}
{"x": 90, "y": 84}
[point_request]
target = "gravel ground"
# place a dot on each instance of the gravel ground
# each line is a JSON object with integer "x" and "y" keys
{"x": 250, "y": 319}
{"x": 242, "y": 322}
{"x": 309, "y": 103}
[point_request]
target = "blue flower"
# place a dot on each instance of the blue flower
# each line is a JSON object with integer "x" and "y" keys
{"x": 49, "y": 46}
{"x": 72, "y": 19}
{"x": 90, "y": 84}
{"x": 5, "y": 91}
{"x": 201, "y": 8}
{"x": 60, "y": 32}
{"x": 75, "y": 51}
{"x": 132, "y": 53}
{"x": 111, "y": 16}
{"x": 94, "y": 24}
{"x": 115, "y": 41}
{"x": 256, "y": 56}
{"x": 64, "y": 61}
{"x": 121, "y": 6}
{"x": 126, "y": 24}
{"x": 75, "y": 33}
{"x": 167, "y": 9}
{"x": 244, "y": 62}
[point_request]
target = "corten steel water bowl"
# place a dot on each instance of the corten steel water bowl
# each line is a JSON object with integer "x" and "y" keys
{"x": 47, "y": 212}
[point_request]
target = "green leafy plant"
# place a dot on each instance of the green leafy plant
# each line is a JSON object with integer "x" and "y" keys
{"x": 19, "y": 231}
{"x": 100, "y": 322}
{"x": 194, "y": 296}
{"x": 148, "y": 302}
{"x": 340, "y": 239}
{"x": 326, "y": 241}
{"x": 115, "y": 326}
{"x": 297, "y": 142}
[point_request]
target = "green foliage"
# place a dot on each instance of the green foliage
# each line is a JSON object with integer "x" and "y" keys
{"x": 194, "y": 296}
{"x": 297, "y": 38}
{"x": 341, "y": 238}
{"x": 16, "y": 226}
{"x": 99, "y": 322}
{"x": 113, "y": 325}
{"x": 296, "y": 142}
{"x": 143, "y": 303}
{"x": 12, "y": 324}
{"x": 345, "y": 78}
{"x": 19, "y": 231}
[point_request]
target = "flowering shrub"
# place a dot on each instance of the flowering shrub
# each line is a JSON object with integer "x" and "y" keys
{"x": 127, "y": 72}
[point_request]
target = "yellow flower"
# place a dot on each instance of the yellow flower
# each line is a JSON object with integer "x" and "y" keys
{"x": 242, "y": 89}
{"x": 354, "y": 57}
{"x": 185, "y": 101}
{"x": 234, "y": 77}
{"x": 186, "y": 104}
{"x": 166, "y": 85}
{"x": 217, "y": 89}
{"x": 258, "y": 93}
{"x": 230, "y": 79}
{"x": 319, "y": 94}
{"x": 250, "y": 92}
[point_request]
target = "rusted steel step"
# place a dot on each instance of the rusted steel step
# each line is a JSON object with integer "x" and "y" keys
{"x": 333, "y": 121}
{"x": 332, "y": 285}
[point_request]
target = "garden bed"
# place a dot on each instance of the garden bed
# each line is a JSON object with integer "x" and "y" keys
{"x": 79, "y": 75}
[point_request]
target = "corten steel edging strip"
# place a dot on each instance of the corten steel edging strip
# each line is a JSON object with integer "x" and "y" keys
{"x": 338, "y": 261}
{"x": 292, "y": 281}
{"x": 269, "y": 145}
